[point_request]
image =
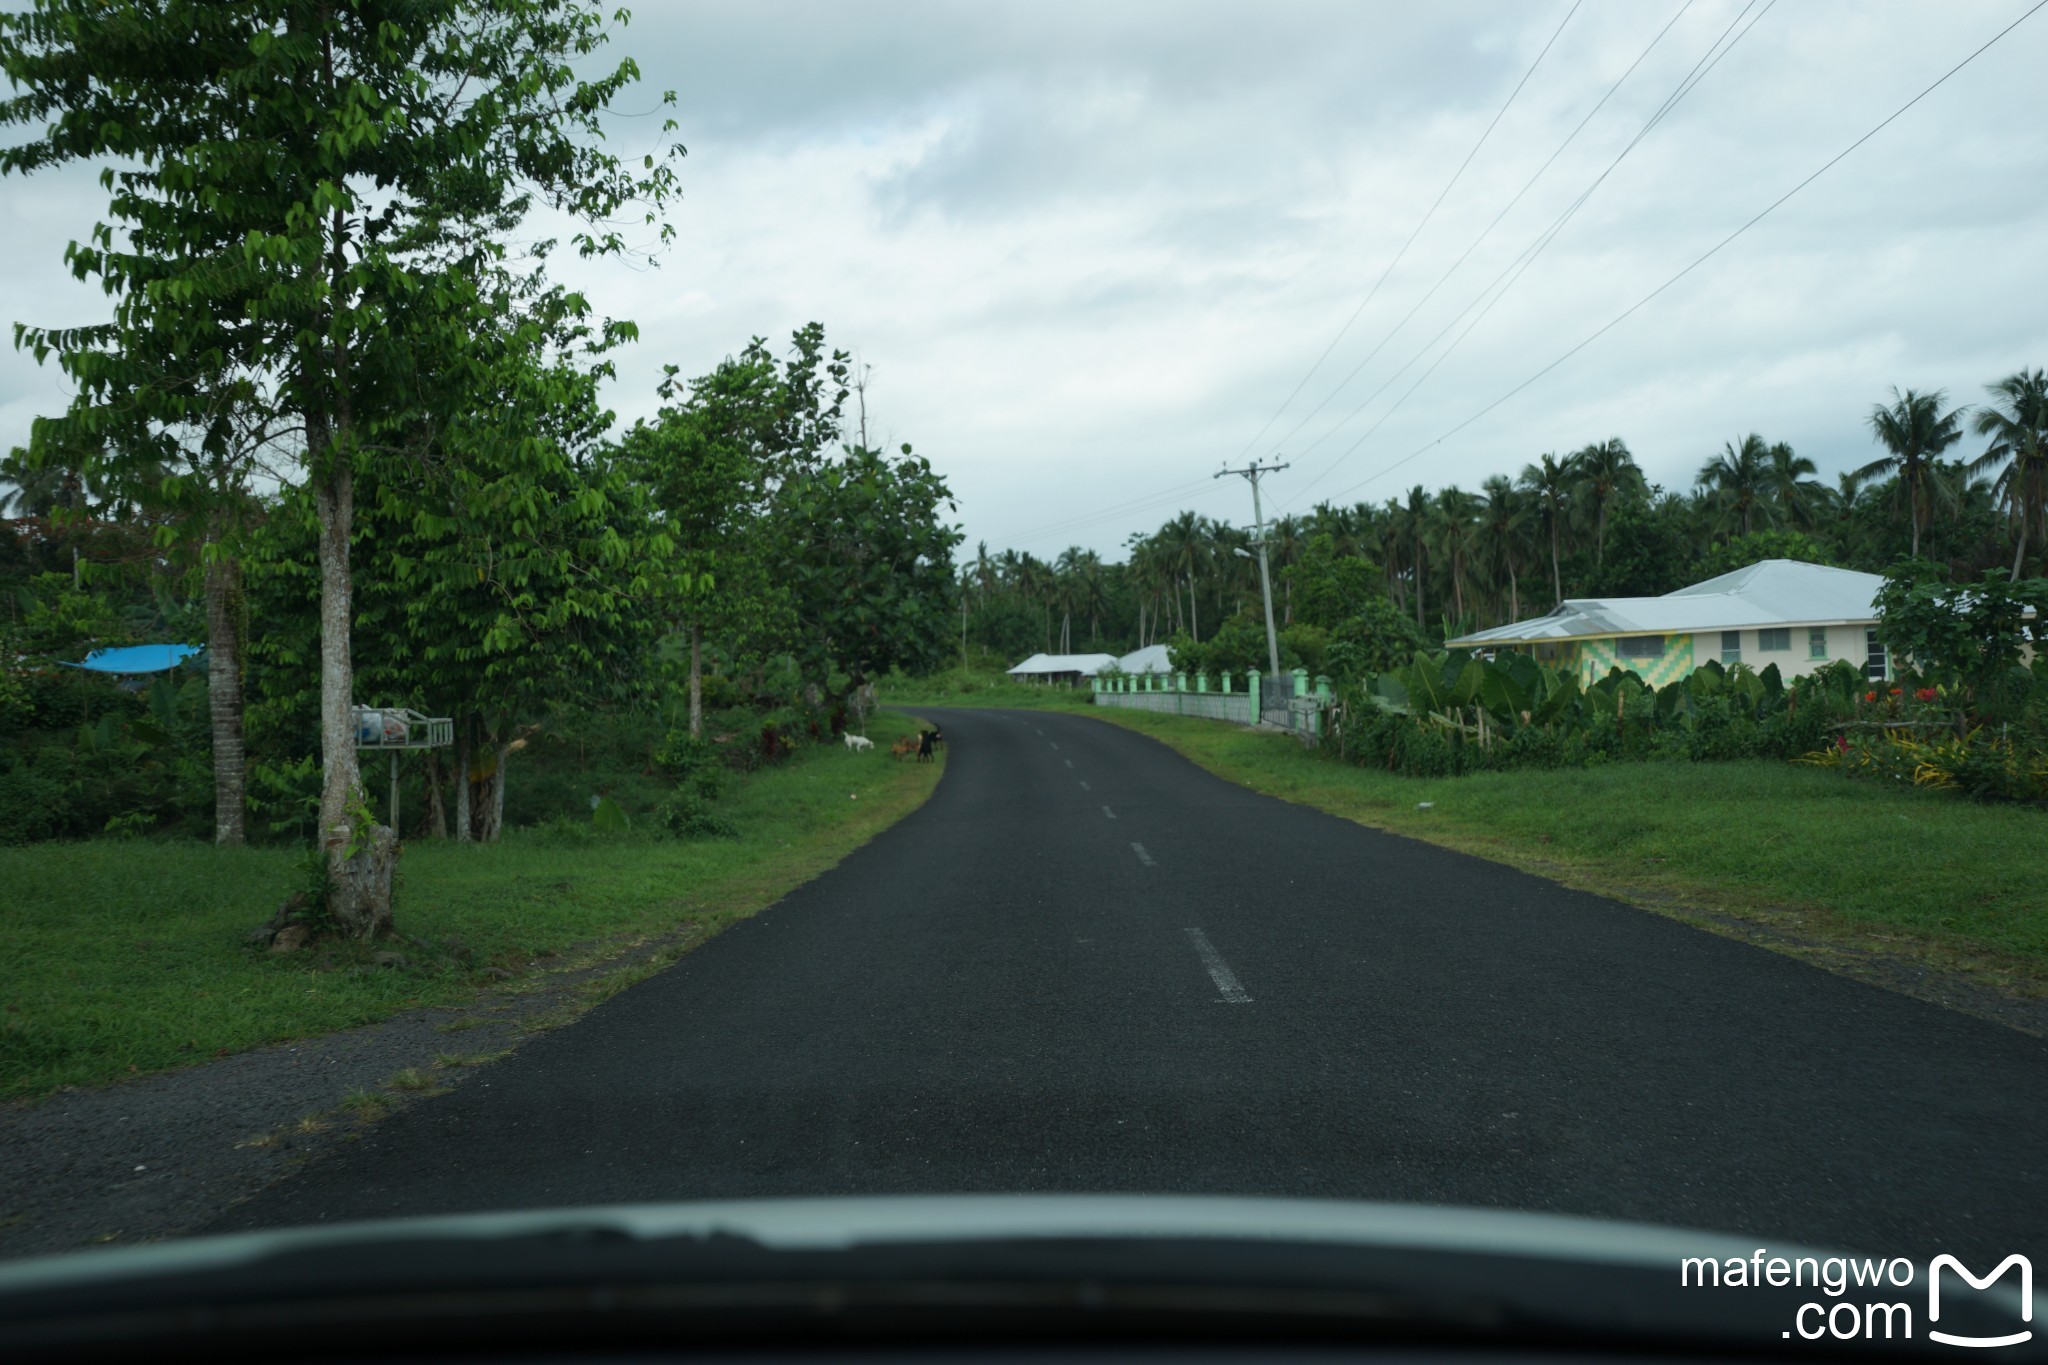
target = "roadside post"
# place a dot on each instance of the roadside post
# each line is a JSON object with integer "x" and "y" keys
{"x": 393, "y": 729}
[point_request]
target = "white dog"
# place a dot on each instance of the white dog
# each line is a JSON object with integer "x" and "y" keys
{"x": 857, "y": 742}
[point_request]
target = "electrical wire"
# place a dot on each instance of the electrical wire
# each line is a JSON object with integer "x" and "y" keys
{"x": 1486, "y": 232}
{"x": 1441, "y": 194}
{"x": 1703, "y": 257}
{"x": 1497, "y": 288}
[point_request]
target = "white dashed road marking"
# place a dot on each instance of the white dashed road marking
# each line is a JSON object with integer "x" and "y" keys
{"x": 1110, "y": 813}
{"x": 1084, "y": 786}
{"x": 1143, "y": 856}
{"x": 1219, "y": 971}
{"x": 1069, "y": 762}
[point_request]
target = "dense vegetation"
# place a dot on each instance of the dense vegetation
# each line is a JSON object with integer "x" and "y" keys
{"x": 1584, "y": 524}
{"x": 342, "y": 429}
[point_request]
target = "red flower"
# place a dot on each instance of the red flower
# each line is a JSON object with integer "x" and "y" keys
{"x": 1842, "y": 743}
{"x": 1925, "y": 694}
{"x": 1870, "y": 696}
{"x": 1895, "y": 691}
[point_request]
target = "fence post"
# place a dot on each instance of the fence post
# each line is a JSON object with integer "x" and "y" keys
{"x": 1322, "y": 704}
{"x": 1226, "y": 682}
{"x": 1251, "y": 687}
{"x": 1201, "y": 682}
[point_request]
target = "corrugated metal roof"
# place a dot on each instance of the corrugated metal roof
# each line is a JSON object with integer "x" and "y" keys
{"x": 1087, "y": 665}
{"x": 1774, "y": 592}
{"x": 1150, "y": 659}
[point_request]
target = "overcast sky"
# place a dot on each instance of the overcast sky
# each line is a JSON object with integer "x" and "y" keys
{"x": 1090, "y": 249}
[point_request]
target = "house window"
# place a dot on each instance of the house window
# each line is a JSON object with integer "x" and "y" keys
{"x": 1773, "y": 639}
{"x": 1817, "y": 643}
{"x": 1731, "y": 646}
{"x": 1640, "y": 646}
{"x": 1875, "y": 666}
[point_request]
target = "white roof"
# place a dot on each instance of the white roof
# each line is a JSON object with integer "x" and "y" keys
{"x": 1150, "y": 659}
{"x": 1773, "y": 592}
{"x": 1087, "y": 665}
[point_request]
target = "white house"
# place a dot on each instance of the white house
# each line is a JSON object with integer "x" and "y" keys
{"x": 1062, "y": 668}
{"x": 1150, "y": 659}
{"x": 1779, "y": 611}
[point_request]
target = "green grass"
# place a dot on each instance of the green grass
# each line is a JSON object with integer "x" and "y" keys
{"x": 132, "y": 957}
{"x": 1801, "y": 849}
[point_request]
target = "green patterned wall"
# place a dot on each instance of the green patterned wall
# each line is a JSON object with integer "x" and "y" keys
{"x": 1593, "y": 659}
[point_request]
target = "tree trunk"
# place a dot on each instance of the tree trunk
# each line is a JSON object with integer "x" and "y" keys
{"x": 437, "y": 805}
{"x": 1514, "y": 594}
{"x": 1556, "y": 577}
{"x": 224, "y": 696}
{"x": 494, "y": 815}
{"x": 363, "y": 882}
{"x": 2019, "y": 553}
{"x": 465, "y": 829}
{"x": 359, "y": 885}
{"x": 696, "y": 681}
{"x": 1194, "y": 617}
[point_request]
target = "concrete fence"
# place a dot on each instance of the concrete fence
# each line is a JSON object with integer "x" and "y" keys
{"x": 1295, "y": 704}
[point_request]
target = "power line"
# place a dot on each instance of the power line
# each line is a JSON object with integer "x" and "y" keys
{"x": 1704, "y": 256}
{"x": 1516, "y": 268}
{"x": 1142, "y": 503}
{"x": 1443, "y": 279}
{"x": 1371, "y": 294}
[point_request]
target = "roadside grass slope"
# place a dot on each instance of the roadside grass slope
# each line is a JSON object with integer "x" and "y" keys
{"x": 128, "y": 957}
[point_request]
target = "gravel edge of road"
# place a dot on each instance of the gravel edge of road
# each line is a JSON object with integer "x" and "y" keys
{"x": 148, "y": 1158}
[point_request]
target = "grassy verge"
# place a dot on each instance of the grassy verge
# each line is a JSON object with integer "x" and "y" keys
{"x": 132, "y": 957}
{"x": 1834, "y": 869}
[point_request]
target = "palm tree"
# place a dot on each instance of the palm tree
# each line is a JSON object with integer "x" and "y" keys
{"x": 1914, "y": 431}
{"x": 2016, "y": 420}
{"x": 1799, "y": 495}
{"x": 1414, "y": 523}
{"x": 1503, "y": 534}
{"x": 1454, "y": 527}
{"x": 1607, "y": 472}
{"x": 1186, "y": 540}
{"x": 1737, "y": 481}
{"x": 1548, "y": 484}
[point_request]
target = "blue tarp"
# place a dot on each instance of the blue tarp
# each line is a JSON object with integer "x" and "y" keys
{"x": 137, "y": 659}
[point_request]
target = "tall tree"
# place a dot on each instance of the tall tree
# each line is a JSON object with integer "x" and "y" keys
{"x": 315, "y": 193}
{"x": 1914, "y": 430}
{"x": 1737, "y": 482}
{"x": 1548, "y": 485}
{"x": 1607, "y": 473}
{"x": 1503, "y": 535}
{"x": 1798, "y": 495}
{"x": 2016, "y": 420}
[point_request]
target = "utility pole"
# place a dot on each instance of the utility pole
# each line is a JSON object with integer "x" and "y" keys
{"x": 1251, "y": 474}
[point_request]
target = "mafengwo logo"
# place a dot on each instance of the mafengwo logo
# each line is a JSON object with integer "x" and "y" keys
{"x": 1946, "y": 1262}
{"x": 1865, "y": 1302}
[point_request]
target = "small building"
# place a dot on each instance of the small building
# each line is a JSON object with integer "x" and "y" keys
{"x": 1065, "y": 669}
{"x": 1798, "y": 616}
{"x": 1150, "y": 659}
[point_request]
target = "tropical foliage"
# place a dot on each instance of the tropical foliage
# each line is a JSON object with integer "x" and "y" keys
{"x": 1578, "y": 524}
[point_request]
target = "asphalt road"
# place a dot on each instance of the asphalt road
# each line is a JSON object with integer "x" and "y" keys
{"x": 1087, "y": 965}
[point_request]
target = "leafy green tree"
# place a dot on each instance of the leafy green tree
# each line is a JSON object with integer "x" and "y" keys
{"x": 1914, "y": 432}
{"x": 1972, "y": 633}
{"x": 1739, "y": 552}
{"x": 869, "y": 567}
{"x": 314, "y": 200}
{"x": 1650, "y": 549}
